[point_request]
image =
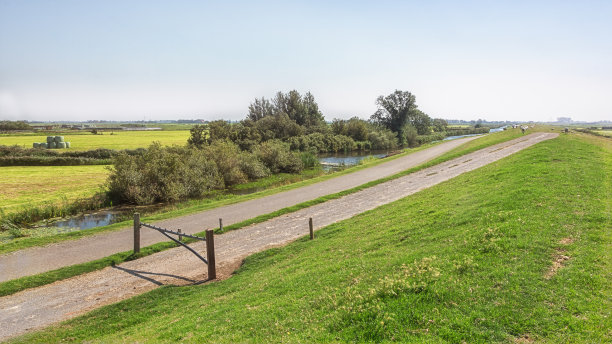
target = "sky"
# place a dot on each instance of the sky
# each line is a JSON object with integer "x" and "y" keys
{"x": 136, "y": 60}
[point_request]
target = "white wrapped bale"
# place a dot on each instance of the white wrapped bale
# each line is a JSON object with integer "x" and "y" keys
{"x": 50, "y": 139}
{"x": 35, "y": 145}
{"x": 60, "y": 145}
{"x": 59, "y": 139}
{"x": 51, "y": 145}
{"x": 67, "y": 144}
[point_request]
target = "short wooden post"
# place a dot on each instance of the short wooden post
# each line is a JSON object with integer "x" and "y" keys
{"x": 180, "y": 236}
{"x": 220, "y": 225}
{"x": 136, "y": 232}
{"x": 311, "y": 229}
{"x": 210, "y": 254}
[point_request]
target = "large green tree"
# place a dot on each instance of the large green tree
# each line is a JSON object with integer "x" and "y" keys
{"x": 303, "y": 110}
{"x": 399, "y": 109}
{"x": 394, "y": 110}
{"x": 260, "y": 109}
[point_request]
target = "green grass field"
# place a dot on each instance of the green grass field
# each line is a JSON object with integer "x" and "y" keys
{"x": 119, "y": 139}
{"x": 607, "y": 133}
{"x": 517, "y": 251}
{"x": 29, "y": 186}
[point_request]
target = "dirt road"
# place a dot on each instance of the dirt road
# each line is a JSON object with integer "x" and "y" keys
{"x": 39, "y": 307}
{"x": 40, "y": 259}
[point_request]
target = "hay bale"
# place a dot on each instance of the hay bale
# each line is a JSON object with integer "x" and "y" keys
{"x": 42, "y": 145}
{"x": 67, "y": 144}
{"x": 60, "y": 145}
{"x": 35, "y": 145}
{"x": 59, "y": 139}
{"x": 50, "y": 139}
{"x": 52, "y": 145}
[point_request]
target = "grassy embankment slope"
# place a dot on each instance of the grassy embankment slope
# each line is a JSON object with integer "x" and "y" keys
{"x": 515, "y": 251}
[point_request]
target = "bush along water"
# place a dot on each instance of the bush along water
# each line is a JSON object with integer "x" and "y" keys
{"x": 171, "y": 174}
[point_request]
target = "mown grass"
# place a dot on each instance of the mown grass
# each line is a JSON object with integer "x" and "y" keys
{"x": 119, "y": 139}
{"x": 31, "y": 186}
{"x": 607, "y": 133}
{"x": 464, "y": 261}
{"x": 23, "y": 283}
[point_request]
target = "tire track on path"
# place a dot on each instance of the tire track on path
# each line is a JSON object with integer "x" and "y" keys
{"x": 46, "y": 305}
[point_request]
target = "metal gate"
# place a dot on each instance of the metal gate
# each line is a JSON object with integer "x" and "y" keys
{"x": 209, "y": 239}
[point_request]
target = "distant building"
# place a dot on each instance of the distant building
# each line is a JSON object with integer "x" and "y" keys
{"x": 42, "y": 127}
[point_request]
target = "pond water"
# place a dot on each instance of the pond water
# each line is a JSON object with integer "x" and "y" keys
{"x": 497, "y": 129}
{"x": 88, "y": 221}
{"x": 100, "y": 218}
{"x": 332, "y": 161}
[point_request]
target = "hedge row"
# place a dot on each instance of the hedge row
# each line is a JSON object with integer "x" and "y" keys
{"x": 50, "y": 161}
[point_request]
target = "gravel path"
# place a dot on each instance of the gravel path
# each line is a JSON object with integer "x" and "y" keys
{"x": 36, "y": 260}
{"x": 39, "y": 307}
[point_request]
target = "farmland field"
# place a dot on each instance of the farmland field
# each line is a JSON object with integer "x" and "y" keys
{"x": 36, "y": 185}
{"x": 119, "y": 139}
{"x": 607, "y": 133}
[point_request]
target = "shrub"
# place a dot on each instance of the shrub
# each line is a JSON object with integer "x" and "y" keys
{"x": 278, "y": 158}
{"x": 422, "y": 139}
{"x": 227, "y": 157}
{"x": 382, "y": 139}
{"x": 197, "y": 135}
{"x": 409, "y": 136}
{"x": 14, "y": 125}
{"x": 309, "y": 159}
{"x": 252, "y": 167}
{"x": 162, "y": 175}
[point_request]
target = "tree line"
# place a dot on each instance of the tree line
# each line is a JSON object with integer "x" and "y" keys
{"x": 296, "y": 120}
{"x": 282, "y": 134}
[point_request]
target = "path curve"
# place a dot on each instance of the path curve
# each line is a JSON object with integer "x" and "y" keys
{"x": 36, "y": 260}
{"x": 39, "y": 307}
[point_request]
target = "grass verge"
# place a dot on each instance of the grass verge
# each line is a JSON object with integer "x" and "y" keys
{"x": 475, "y": 259}
{"x": 13, "y": 286}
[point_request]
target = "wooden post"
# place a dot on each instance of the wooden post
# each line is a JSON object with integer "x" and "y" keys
{"x": 210, "y": 254}
{"x": 136, "y": 232}
{"x": 220, "y": 225}
{"x": 311, "y": 229}
{"x": 180, "y": 236}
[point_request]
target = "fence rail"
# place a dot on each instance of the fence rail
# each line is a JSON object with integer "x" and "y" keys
{"x": 210, "y": 243}
{"x": 180, "y": 234}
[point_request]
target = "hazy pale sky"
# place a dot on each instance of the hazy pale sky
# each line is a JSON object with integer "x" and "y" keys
{"x": 135, "y": 60}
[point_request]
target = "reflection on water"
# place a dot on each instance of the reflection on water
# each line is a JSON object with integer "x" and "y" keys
{"x": 88, "y": 221}
{"x": 331, "y": 161}
{"x": 99, "y": 218}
